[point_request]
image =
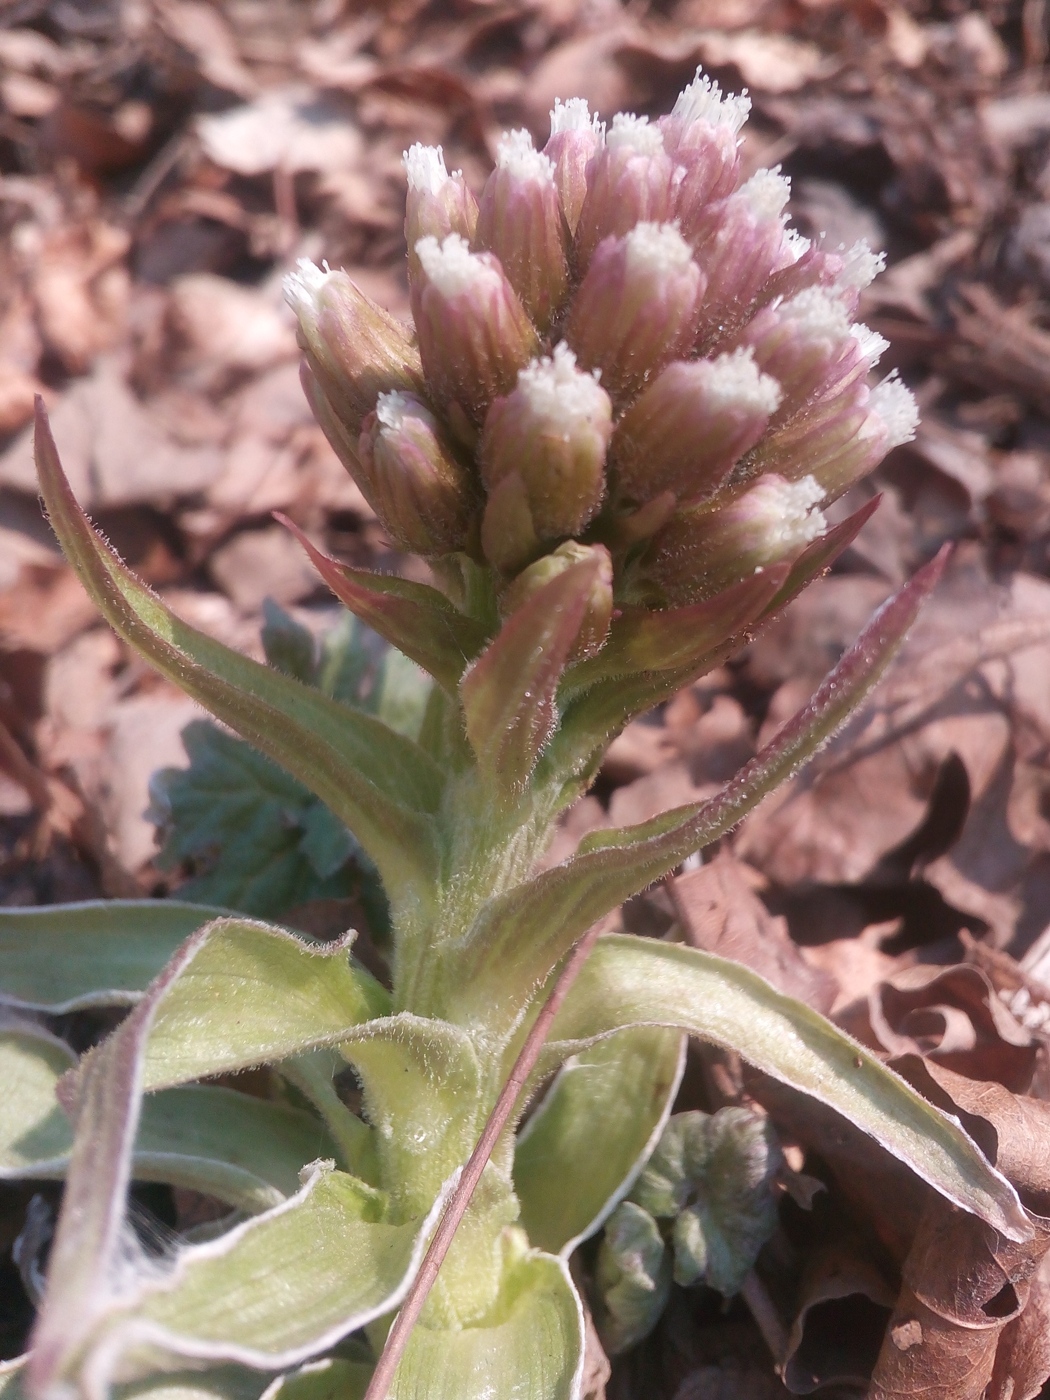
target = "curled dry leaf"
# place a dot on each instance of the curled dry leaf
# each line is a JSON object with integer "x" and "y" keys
{"x": 953, "y": 1016}
{"x": 843, "y": 1304}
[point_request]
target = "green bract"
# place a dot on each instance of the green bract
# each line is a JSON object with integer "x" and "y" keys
{"x": 535, "y": 670}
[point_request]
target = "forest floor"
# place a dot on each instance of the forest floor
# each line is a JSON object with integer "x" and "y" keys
{"x": 162, "y": 165}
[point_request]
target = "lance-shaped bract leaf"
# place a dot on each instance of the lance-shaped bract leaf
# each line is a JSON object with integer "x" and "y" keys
{"x": 612, "y": 865}
{"x": 240, "y": 1149}
{"x": 601, "y": 1118}
{"x": 417, "y": 619}
{"x": 65, "y": 957}
{"x": 508, "y": 693}
{"x": 271, "y": 1293}
{"x": 637, "y": 981}
{"x": 820, "y": 555}
{"x": 381, "y": 784}
{"x": 529, "y": 1348}
{"x": 643, "y": 640}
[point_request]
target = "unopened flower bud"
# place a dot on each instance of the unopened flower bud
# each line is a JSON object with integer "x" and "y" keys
{"x": 839, "y": 441}
{"x": 595, "y": 626}
{"x": 474, "y": 335}
{"x": 520, "y": 220}
{"x": 702, "y": 135}
{"x": 707, "y": 548}
{"x": 509, "y": 539}
{"x": 575, "y": 137}
{"x": 630, "y": 180}
{"x": 686, "y": 431}
{"x": 810, "y": 346}
{"x": 355, "y": 349}
{"x": 637, "y": 308}
{"x": 742, "y": 243}
{"x": 553, "y": 431}
{"x": 438, "y": 203}
{"x": 415, "y": 484}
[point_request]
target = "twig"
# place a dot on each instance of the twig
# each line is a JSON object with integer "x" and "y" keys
{"x": 397, "y": 1339}
{"x": 766, "y": 1319}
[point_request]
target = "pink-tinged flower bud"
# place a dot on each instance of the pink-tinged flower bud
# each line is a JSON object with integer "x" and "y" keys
{"x": 630, "y": 180}
{"x": 595, "y": 627}
{"x": 843, "y": 439}
{"x": 474, "y": 335}
{"x": 520, "y": 220}
{"x": 710, "y": 547}
{"x": 702, "y": 134}
{"x": 637, "y": 308}
{"x": 415, "y": 484}
{"x": 686, "y": 431}
{"x": 355, "y": 349}
{"x": 742, "y": 243}
{"x": 575, "y": 137}
{"x": 438, "y": 203}
{"x": 552, "y": 433}
{"x": 810, "y": 347}
{"x": 508, "y": 535}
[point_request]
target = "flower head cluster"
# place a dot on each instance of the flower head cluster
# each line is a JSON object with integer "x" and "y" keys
{"x": 620, "y": 344}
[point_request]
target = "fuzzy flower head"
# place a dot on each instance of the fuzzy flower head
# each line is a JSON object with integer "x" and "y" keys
{"x": 620, "y": 343}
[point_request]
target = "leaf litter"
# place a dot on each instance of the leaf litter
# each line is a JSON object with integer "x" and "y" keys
{"x": 161, "y": 167}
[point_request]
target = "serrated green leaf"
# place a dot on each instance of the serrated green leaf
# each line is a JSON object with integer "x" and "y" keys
{"x": 380, "y": 784}
{"x": 259, "y": 841}
{"x": 271, "y": 1293}
{"x": 637, "y": 981}
{"x": 632, "y": 1276}
{"x": 530, "y": 1348}
{"x": 602, "y": 1116}
{"x": 65, "y": 957}
{"x": 712, "y": 1173}
{"x": 507, "y": 959}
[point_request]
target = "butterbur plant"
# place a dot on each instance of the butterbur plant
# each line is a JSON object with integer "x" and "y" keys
{"x": 629, "y": 394}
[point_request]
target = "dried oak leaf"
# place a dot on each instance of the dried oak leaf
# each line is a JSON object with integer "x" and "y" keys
{"x": 843, "y": 1303}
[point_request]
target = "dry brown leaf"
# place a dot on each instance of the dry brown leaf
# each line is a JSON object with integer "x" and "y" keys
{"x": 962, "y": 1286}
{"x": 843, "y": 1304}
{"x": 1022, "y": 1359}
{"x": 80, "y": 289}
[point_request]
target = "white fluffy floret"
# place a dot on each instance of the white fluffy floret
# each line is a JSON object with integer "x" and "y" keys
{"x": 634, "y": 134}
{"x": 451, "y": 267}
{"x": 790, "y": 510}
{"x": 703, "y": 101}
{"x": 574, "y": 115}
{"x": 556, "y": 390}
{"x": 735, "y": 381}
{"x": 860, "y": 265}
{"x": 794, "y": 244}
{"x": 425, "y": 168}
{"x": 516, "y": 154}
{"x": 818, "y": 314}
{"x": 655, "y": 248}
{"x": 302, "y": 287}
{"x": 896, "y": 410}
{"x": 871, "y": 345}
{"x": 394, "y": 407}
{"x": 766, "y": 193}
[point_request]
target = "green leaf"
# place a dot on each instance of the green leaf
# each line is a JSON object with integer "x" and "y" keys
{"x": 287, "y": 644}
{"x": 414, "y": 618}
{"x": 240, "y": 1149}
{"x": 65, "y": 957}
{"x": 312, "y": 1074}
{"x": 506, "y": 958}
{"x": 529, "y": 1348}
{"x": 257, "y": 839}
{"x": 380, "y": 784}
{"x": 331, "y": 1379}
{"x": 578, "y": 1154}
{"x": 279, "y": 997}
{"x": 713, "y": 1175}
{"x": 508, "y": 693}
{"x": 637, "y": 981}
{"x": 632, "y": 1277}
{"x": 273, "y": 1292}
